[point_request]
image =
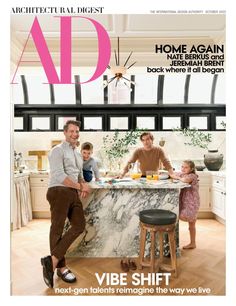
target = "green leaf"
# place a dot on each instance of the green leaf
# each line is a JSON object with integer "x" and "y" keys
{"x": 195, "y": 138}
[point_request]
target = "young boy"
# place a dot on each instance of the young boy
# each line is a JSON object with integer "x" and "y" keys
{"x": 89, "y": 163}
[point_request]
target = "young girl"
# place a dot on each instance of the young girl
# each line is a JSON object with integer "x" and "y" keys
{"x": 189, "y": 199}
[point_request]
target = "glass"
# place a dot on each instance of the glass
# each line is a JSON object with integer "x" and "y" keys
{"x": 136, "y": 176}
{"x": 135, "y": 172}
{"x": 152, "y": 175}
{"x": 155, "y": 176}
{"x": 149, "y": 175}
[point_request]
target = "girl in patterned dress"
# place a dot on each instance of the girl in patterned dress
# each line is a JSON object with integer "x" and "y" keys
{"x": 189, "y": 200}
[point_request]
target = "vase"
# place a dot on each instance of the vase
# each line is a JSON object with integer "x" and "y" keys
{"x": 213, "y": 160}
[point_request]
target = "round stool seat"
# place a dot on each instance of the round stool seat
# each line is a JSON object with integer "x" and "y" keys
{"x": 157, "y": 216}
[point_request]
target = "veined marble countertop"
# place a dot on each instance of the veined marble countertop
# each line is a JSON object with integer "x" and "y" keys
{"x": 137, "y": 184}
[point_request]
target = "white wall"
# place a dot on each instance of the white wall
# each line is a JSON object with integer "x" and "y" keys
{"x": 174, "y": 146}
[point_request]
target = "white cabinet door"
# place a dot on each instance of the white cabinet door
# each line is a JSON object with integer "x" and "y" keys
{"x": 205, "y": 199}
{"x": 38, "y": 197}
{"x": 218, "y": 202}
{"x": 38, "y": 188}
{"x": 204, "y": 191}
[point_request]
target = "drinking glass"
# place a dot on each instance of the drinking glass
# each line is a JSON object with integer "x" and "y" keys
{"x": 149, "y": 175}
{"x": 155, "y": 175}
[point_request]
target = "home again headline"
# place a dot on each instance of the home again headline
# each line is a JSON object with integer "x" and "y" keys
{"x": 196, "y": 58}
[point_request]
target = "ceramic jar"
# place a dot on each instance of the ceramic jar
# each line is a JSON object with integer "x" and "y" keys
{"x": 213, "y": 160}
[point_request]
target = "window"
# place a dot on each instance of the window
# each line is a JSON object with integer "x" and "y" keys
{"x": 38, "y": 90}
{"x": 145, "y": 123}
{"x": 17, "y": 91}
{"x": 64, "y": 93}
{"x": 92, "y": 123}
{"x": 92, "y": 92}
{"x": 40, "y": 123}
{"x": 200, "y": 87}
{"x": 119, "y": 123}
{"x": 146, "y": 89}
{"x": 198, "y": 122}
{"x": 155, "y": 102}
{"x": 62, "y": 120}
{"x": 220, "y": 122}
{"x": 173, "y": 91}
{"x": 220, "y": 89}
{"x": 169, "y": 123}
{"x": 18, "y": 123}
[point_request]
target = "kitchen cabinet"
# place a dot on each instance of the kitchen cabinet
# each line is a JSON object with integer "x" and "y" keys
{"x": 205, "y": 210}
{"x": 38, "y": 188}
{"x": 218, "y": 196}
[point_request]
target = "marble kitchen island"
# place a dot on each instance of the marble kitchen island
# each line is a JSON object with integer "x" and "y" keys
{"x": 112, "y": 216}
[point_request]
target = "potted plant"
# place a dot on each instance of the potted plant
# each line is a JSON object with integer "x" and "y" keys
{"x": 115, "y": 146}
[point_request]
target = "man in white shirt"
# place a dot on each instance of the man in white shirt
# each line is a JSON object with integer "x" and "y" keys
{"x": 66, "y": 181}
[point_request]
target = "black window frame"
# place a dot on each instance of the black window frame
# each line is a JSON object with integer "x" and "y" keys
{"x": 79, "y": 111}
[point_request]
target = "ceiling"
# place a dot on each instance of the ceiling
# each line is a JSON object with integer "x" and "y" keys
{"x": 138, "y": 33}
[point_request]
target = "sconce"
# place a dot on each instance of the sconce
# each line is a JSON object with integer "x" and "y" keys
{"x": 162, "y": 142}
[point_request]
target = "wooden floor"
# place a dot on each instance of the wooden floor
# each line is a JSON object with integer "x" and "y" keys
{"x": 203, "y": 267}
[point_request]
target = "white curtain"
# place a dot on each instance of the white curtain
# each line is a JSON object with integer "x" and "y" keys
{"x": 21, "y": 211}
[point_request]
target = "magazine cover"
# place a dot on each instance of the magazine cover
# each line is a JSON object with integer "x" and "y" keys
{"x": 118, "y": 151}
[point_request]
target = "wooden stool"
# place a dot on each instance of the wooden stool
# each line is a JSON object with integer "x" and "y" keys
{"x": 157, "y": 221}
